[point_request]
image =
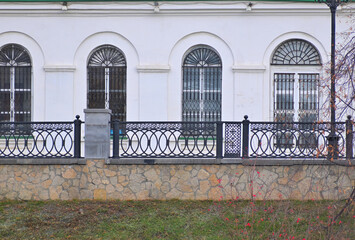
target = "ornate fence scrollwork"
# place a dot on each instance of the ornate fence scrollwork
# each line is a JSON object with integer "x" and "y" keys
{"x": 39, "y": 139}
{"x": 228, "y": 139}
{"x": 164, "y": 139}
{"x": 233, "y": 137}
{"x": 296, "y": 139}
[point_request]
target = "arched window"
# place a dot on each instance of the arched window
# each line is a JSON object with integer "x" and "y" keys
{"x": 107, "y": 81}
{"x": 202, "y": 85}
{"x": 296, "y": 69}
{"x": 296, "y": 52}
{"x": 15, "y": 84}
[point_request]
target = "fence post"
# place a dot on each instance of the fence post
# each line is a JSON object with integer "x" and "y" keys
{"x": 77, "y": 137}
{"x": 245, "y": 142}
{"x": 97, "y": 133}
{"x": 219, "y": 145}
{"x": 116, "y": 140}
{"x": 349, "y": 138}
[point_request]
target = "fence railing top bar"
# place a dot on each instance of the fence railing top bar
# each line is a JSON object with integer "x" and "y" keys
{"x": 18, "y": 123}
{"x": 289, "y": 123}
{"x": 230, "y": 122}
{"x": 162, "y": 122}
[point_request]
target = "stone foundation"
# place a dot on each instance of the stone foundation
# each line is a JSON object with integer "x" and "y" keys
{"x": 97, "y": 180}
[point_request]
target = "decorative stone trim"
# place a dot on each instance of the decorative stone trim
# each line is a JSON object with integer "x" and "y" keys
{"x": 163, "y": 161}
{"x": 43, "y": 161}
{"x": 249, "y": 68}
{"x": 59, "y": 68}
{"x": 209, "y": 161}
{"x": 195, "y": 7}
{"x": 153, "y": 68}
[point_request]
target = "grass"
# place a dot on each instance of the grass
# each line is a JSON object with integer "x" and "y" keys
{"x": 173, "y": 219}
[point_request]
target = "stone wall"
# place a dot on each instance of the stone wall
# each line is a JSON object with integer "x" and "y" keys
{"x": 97, "y": 180}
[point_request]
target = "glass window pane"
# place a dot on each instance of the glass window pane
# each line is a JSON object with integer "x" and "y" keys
{"x": 284, "y": 101}
{"x": 117, "y": 93}
{"x": 284, "y": 91}
{"x": 308, "y": 97}
{"x": 23, "y": 77}
{"x": 22, "y": 117}
{"x": 4, "y": 77}
{"x": 22, "y": 101}
{"x": 4, "y": 117}
{"x": 96, "y": 94}
{"x": 4, "y": 101}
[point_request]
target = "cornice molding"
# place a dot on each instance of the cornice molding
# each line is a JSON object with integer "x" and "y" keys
{"x": 59, "y": 68}
{"x": 248, "y": 68}
{"x": 153, "y": 68}
{"x": 168, "y": 8}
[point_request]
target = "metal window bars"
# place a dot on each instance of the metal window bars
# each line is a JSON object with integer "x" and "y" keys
{"x": 15, "y": 84}
{"x": 107, "y": 81}
{"x": 202, "y": 84}
{"x": 296, "y": 98}
{"x": 296, "y": 52}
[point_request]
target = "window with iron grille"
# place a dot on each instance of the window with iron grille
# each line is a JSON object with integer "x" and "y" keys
{"x": 296, "y": 76}
{"x": 202, "y": 85}
{"x": 107, "y": 81}
{"x": 15, "y": 84}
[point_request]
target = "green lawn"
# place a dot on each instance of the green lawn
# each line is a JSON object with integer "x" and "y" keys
{"x": 174, "y": 220}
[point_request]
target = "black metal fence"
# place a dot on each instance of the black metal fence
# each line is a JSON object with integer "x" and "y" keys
{"x": 40, "y": 139}
{"x": 243, "y": 139}
{"x": 165, "y": 139}
{"x": 229, "y": 139}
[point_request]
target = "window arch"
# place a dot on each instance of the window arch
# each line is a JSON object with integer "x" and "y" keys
{"x": 107, "y": 80}
{"x": 296, "y": 52}
{"x": 202, "y": 85}
{"x": 15, "y": 83}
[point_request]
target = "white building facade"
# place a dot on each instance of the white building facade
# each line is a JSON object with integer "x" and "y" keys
{"x": 164, "y": 61}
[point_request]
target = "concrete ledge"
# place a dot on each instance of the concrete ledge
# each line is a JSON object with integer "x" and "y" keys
{"x": 293, "y": 162}
{"x": 163, "y": 161}
{"x": 176, "y": 161}
{"x": 42, "y": 161}
{"x": 213, "y": 161}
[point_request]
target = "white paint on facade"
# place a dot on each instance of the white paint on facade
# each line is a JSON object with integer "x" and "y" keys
{"x": 154, "y": 40}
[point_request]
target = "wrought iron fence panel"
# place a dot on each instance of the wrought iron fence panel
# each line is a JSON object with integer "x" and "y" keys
{"x": 36, "y": 139}
{"x": 233, "y": 138}
{"x": 295, "y": 139}
{"x": 164, "y": 140}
